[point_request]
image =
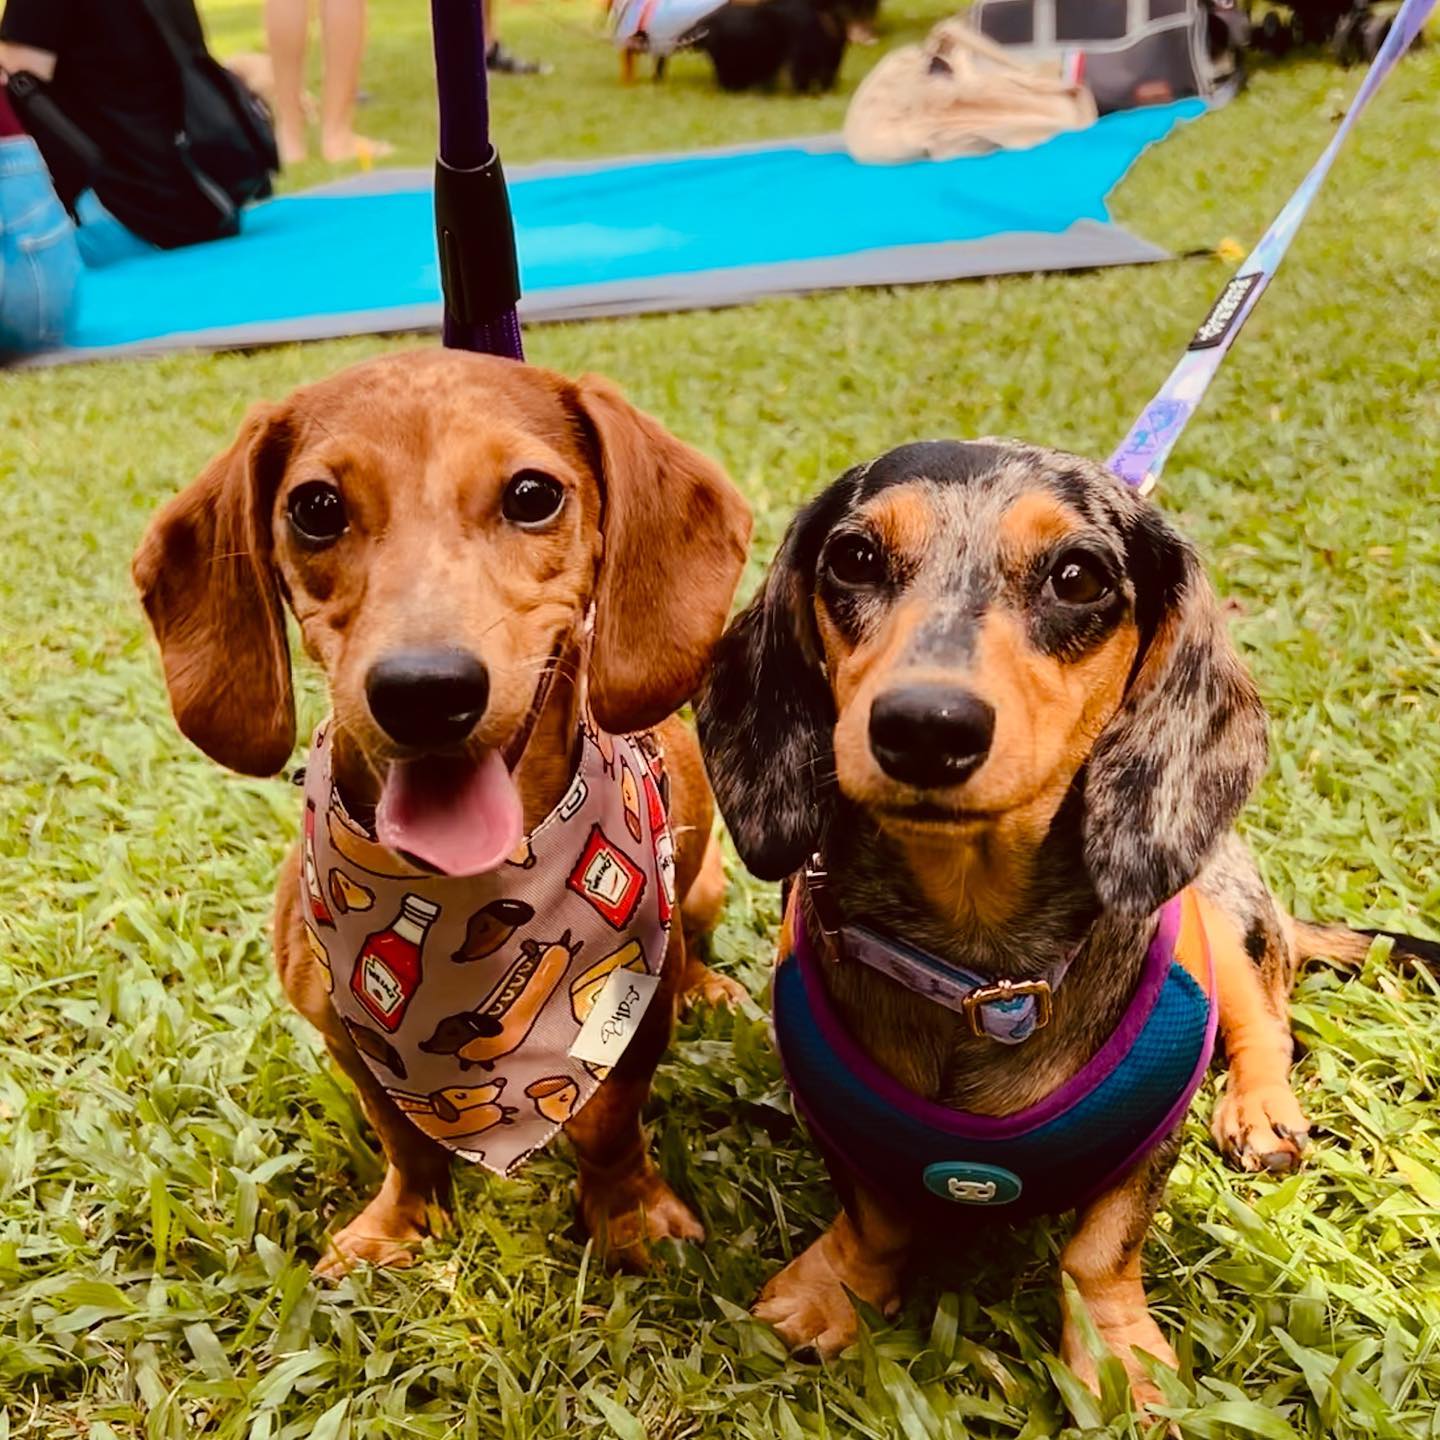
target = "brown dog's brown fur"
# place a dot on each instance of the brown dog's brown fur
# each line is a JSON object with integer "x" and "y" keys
{"x": 652, "y": 536}
{"x": 1126, "y": 737}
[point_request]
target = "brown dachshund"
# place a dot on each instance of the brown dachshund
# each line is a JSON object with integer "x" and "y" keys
{"x": 431, "y": 513}
{"x": 991, "y": 687}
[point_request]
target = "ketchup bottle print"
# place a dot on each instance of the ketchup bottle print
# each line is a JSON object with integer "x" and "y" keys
{"x": 387, "y": 969}
{"x": 318, "y": 908}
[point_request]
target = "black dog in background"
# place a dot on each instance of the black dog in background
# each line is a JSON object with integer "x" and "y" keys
{"x": 751, "y": 43}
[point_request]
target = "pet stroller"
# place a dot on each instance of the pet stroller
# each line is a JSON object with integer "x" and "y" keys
{"x": 1127, "y": 54}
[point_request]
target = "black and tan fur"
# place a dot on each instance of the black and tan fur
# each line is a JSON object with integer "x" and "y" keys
{"x": 1126, "y": 738}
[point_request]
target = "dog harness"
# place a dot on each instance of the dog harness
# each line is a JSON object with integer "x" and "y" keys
{"x": 491, "y": 1007}
{"x": 1052, "y": 1156}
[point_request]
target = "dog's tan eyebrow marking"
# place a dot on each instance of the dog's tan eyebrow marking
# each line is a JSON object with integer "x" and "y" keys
{"x": 903, "y": 518}
{"x": 1035, "y": 522}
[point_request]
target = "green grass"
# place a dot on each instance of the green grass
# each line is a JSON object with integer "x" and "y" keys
{"x": 173, "y": 1145}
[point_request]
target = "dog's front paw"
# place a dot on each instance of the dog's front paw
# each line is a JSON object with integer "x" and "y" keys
{"x": 1122, "y": 1340}
{"x": 387, "y": 1232}
{"x": 704, "y": 986}
{"x": 1260, "y": 1127}
{"x": 807, "y": 1303}
{"x": 382, "y": 1240}
{"x": 808, "y": 1311}
{"x": 627, "y": 1216}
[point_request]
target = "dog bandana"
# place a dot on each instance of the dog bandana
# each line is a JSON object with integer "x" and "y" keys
{"x": 491, "y": 1007}
{"x": 1057, "y": 1154}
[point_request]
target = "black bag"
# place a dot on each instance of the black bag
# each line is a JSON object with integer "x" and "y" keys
{"x": 225, "y": 139}
{"x": 1129, "y": 52}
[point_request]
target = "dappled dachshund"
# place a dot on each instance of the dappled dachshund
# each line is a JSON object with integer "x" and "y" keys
{"x": 985, "y": 717}
{"x": 469, "y": 546}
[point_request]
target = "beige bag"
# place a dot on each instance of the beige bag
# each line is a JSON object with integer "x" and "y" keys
{"x": 959, "y": 94}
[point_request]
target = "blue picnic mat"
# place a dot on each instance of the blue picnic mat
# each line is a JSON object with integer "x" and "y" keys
{"x": 710, "y": 227}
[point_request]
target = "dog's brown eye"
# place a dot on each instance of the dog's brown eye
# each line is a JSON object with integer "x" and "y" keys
{"x": 317, "y": 512}
{"x": 1077, "y": 579}
{"x": 531, "y": 498}
{"x": 855, "y": 560}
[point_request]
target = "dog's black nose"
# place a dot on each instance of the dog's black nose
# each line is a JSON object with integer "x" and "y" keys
{"x": 427, "y": 699}
{"x": 930, "y": 735}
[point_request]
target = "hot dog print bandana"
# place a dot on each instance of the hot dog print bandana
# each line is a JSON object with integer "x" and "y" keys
{"x": 491, "y": 1006}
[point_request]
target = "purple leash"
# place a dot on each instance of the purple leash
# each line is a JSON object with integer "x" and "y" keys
{"x": 479, "y": 272}
{"x": 1143, "y": 453}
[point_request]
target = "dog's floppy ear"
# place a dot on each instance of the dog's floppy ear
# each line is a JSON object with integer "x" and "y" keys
{"x": 1171, "y": 772}
{"x": 675, "y": 534}
{"x": 767, "y": 715}
{"x": 204, "y": 574}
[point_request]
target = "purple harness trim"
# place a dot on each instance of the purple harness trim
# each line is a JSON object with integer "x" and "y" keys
{"x": 986, "y": 1127}
{"x": 1182, "y": 1102}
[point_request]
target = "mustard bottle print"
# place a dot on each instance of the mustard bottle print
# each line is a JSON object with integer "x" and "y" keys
{"x": 319, "y": 908}
{"x": 630, "y": 797}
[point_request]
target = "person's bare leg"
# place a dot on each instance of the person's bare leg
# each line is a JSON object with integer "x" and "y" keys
{"x": 287, "y": 26}
{"x": 343, "y": 25}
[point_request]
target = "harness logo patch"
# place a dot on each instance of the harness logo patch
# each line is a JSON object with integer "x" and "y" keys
{"x": 972, "y": 1192}
{"x": 970, "y": 1183}
{"x": 1223, "y": 313}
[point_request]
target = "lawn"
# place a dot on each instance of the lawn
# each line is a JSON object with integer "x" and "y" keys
{"x": 173, "y": 1146}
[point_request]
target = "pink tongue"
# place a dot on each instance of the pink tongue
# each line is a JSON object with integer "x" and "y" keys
{"x": 460, "y": 816}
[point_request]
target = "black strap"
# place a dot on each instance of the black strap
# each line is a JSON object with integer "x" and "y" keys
{"x": 186, "y": 60}
{"x": 73, "y": 157}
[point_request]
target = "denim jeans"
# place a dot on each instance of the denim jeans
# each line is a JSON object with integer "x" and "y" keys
{"x": 39, "y": 261}
{"x": 103, "y": 240}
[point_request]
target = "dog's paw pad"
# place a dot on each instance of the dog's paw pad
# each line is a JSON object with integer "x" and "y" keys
{"x": 1122, "y": 1340}
{"x": 716, "y": 990}
{"x": 1261, "y": 1128}
{"x": 628, "y": 1218}
{"x": 809, "y": 1318}
{"x": 349, "y": 1247}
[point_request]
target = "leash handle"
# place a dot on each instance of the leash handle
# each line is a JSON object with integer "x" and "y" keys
{"x": 474, "y": 232}
{"x": 1143, "y": 452}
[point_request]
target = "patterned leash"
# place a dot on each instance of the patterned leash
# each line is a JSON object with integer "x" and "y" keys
{"x": 1143, "y": 453}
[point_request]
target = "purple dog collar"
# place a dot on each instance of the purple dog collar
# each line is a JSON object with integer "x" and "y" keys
{"x": 1007, "y": 1011}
